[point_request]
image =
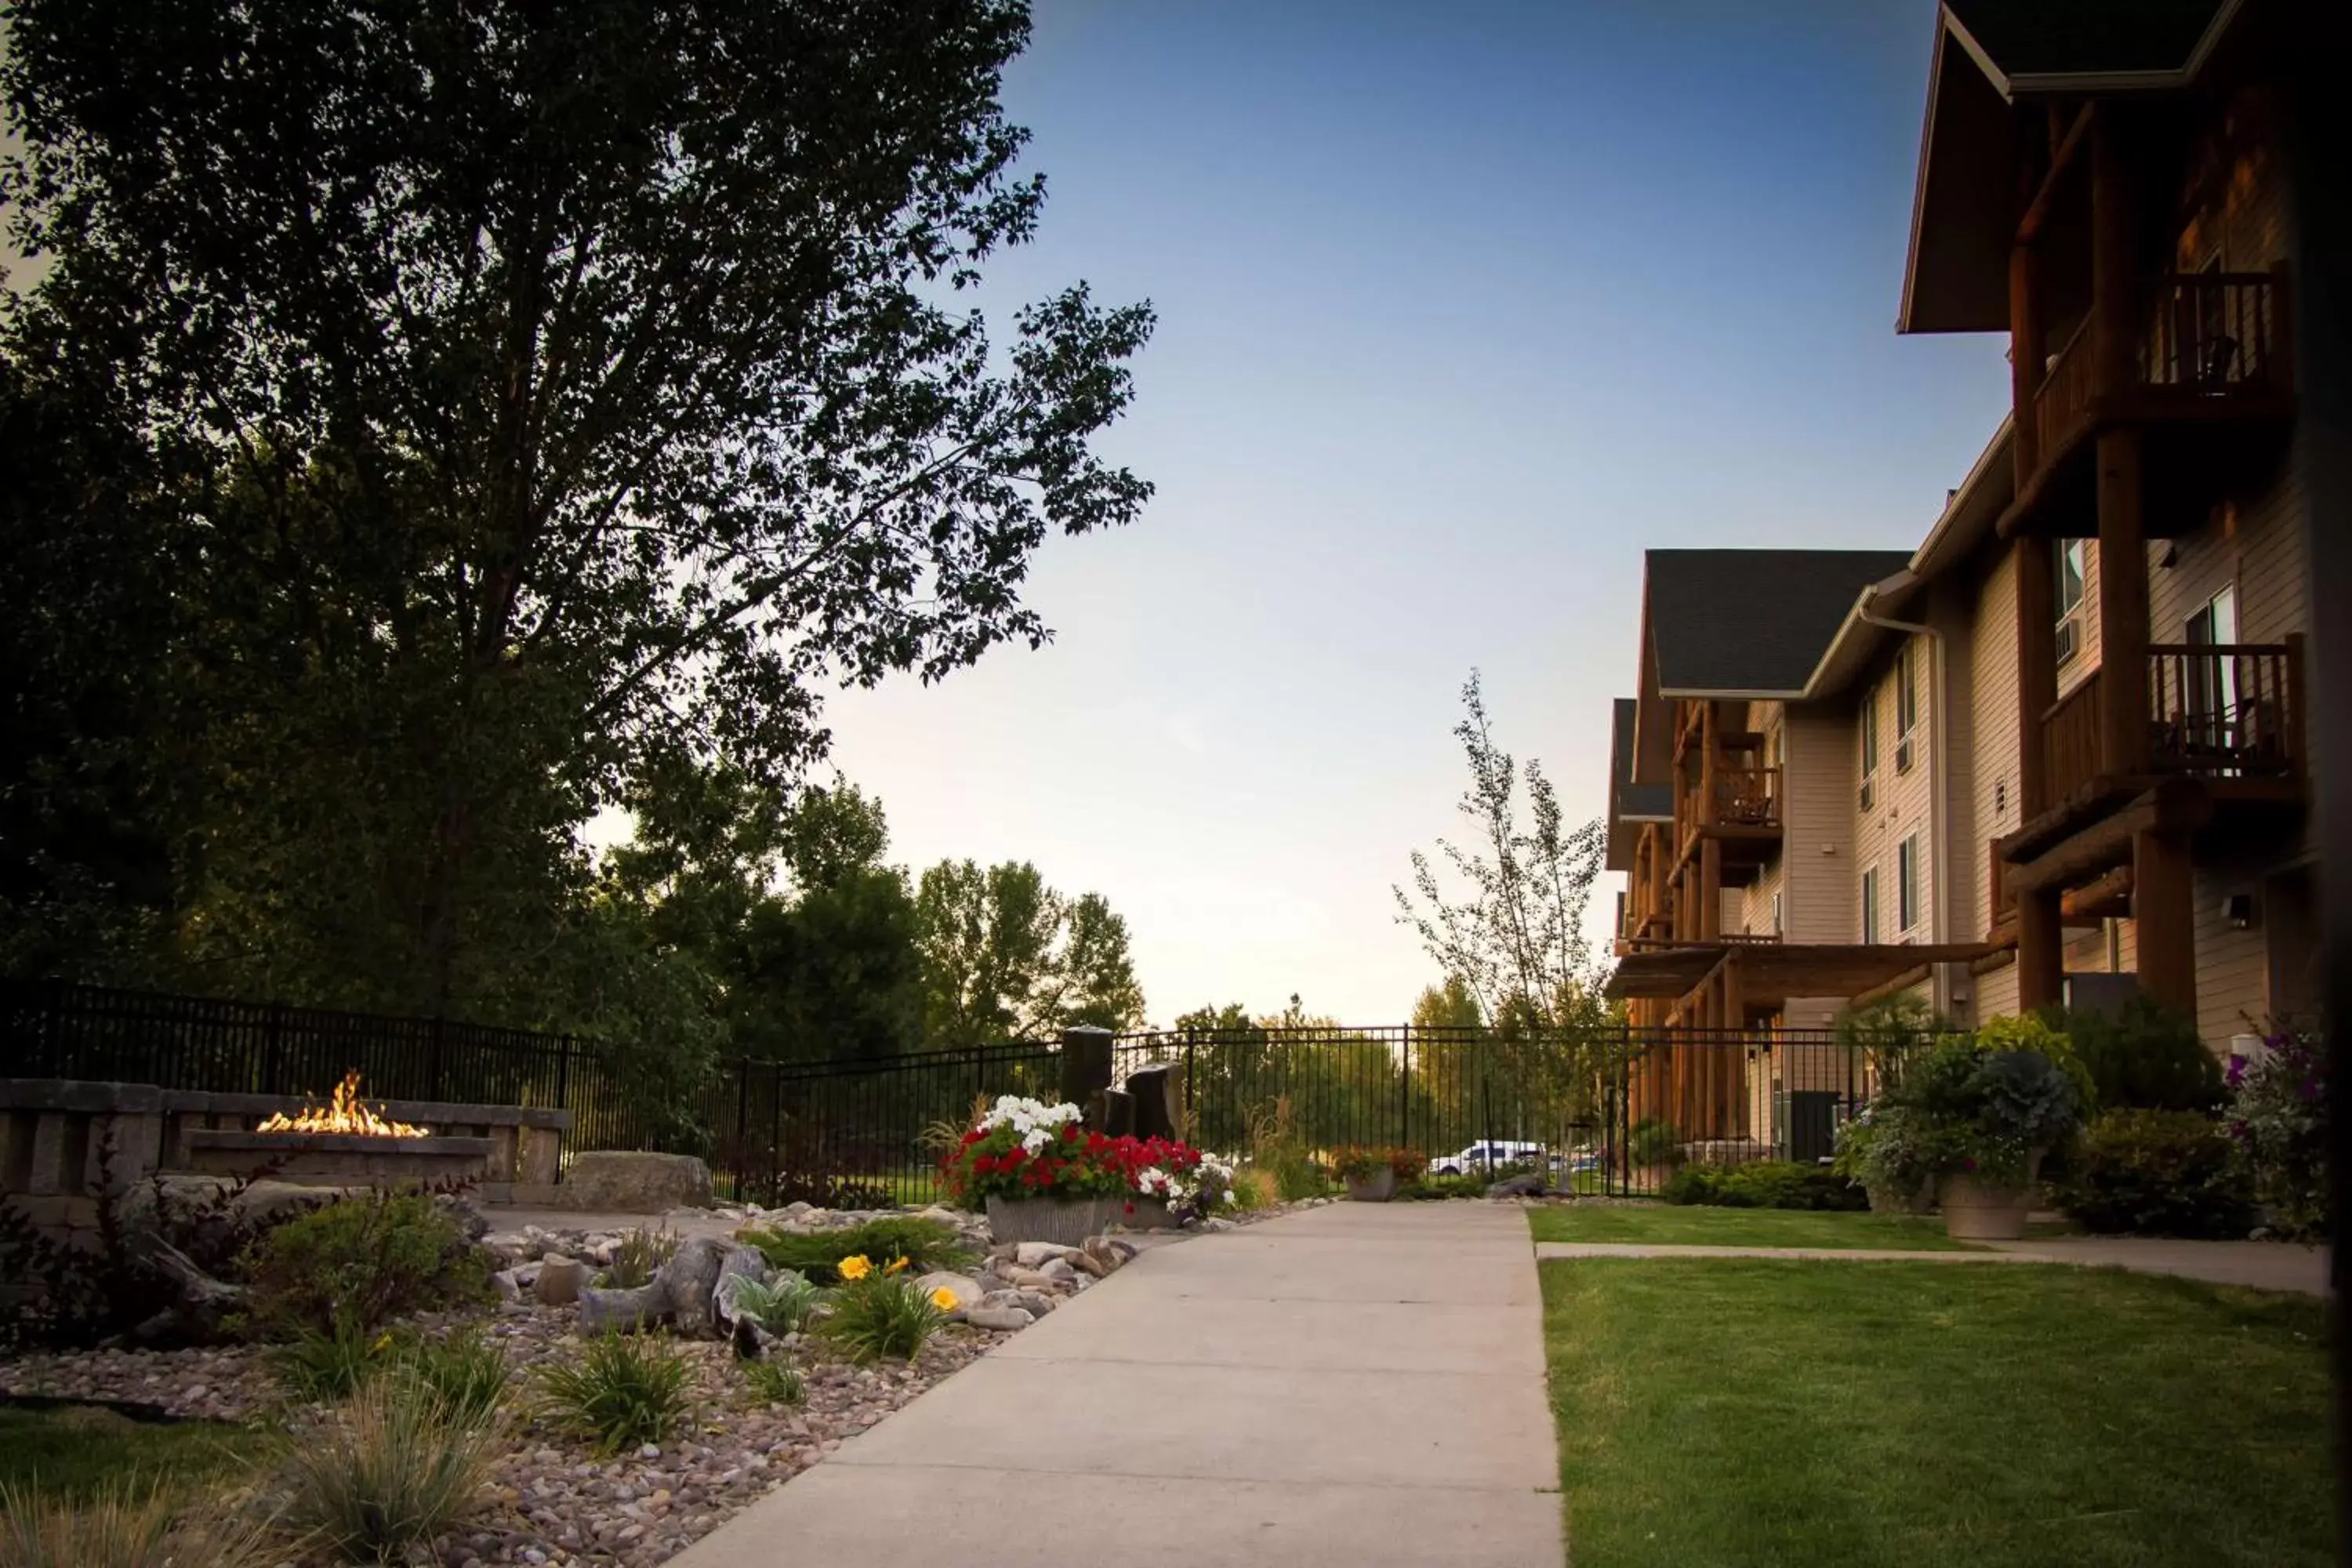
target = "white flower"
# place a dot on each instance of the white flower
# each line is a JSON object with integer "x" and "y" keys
{"x": 1037, "y": 1138}
{"x": 1025, "y": 1116}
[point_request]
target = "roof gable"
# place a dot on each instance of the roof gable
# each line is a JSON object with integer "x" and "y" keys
{"x": 1751, "y": 623}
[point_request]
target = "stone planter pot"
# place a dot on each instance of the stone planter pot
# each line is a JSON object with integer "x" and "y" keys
{"x": 1143, "y": 1213}
{"x": 1066, "y": 1222}
{"x": 1979, "y": 1211}
{"x": 1377, "y": 1188}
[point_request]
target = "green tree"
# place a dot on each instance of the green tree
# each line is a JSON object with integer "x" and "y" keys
{"x": 553, "y": 391}
{"x": 1449, "y": 1006}
{"x": 1006, "y": 957}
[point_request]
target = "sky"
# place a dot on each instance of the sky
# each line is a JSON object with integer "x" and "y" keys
{"x": 1461, "y": 307}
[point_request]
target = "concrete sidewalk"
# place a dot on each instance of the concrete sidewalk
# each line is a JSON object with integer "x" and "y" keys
{"x": 1353, "y": 1385}
{"x": 2257, "y": 1264}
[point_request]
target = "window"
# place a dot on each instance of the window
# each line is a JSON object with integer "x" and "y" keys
{"x": 2069, "y": 571}
{"x": 1776, "y": 911}
{"x": 1870, "y": 906}
{"x": 2214, "y": 723}
{"x": 1869, "y": 747}
{"x": 1906, "y": 709}
{"x": 1906, "y": 883}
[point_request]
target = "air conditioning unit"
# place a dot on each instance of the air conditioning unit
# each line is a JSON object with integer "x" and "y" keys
{"x": 1903, "y": 755}
{"x": 2070, "y": 637}
{"x": 1869, "y": 793}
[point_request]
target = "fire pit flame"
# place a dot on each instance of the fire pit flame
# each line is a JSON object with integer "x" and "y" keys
{"x": 345, "y": 1113}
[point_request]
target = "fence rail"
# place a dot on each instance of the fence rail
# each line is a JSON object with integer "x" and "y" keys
{"x": 1611, "y": 1109}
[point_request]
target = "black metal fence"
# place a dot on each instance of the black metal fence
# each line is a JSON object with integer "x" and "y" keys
{"x": 1611, "y": 1111}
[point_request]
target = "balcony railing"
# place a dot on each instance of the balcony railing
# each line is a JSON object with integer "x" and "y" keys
{"x": 1749, "y": 797}
{"x": 2225, "y": 710}
{"x": 2228, "y": 710}
{"x": 2201, "y": 336}
{"x": 2070, "y": 740}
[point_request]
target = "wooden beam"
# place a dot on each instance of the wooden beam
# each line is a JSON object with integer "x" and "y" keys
{"x": 2037, "y": 669}
{"x": 2164, "y": 903}
{"x": 2175, "y": 806}
{"x": 2110, "y": 896}
{"x": 2122, "y": 605}
{"x": 1903, "y": 982}
{"x": 2062, "y": 160}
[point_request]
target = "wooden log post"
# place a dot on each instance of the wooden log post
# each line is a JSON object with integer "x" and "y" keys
{"x": 2123, "y": 607}
{"x": 2164, "y": 906}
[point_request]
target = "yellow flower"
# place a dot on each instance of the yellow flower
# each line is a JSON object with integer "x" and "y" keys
{"x": 856, "y": 1267}
{"x": 895, "y": 1266}
{"x": 945, "y": 1299}
{"x": 382, "y": 1342}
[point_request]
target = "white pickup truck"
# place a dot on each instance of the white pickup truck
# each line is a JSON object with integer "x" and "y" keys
{"x": 1485, "y": 1155}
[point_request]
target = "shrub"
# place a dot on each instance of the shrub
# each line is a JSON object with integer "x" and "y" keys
{"x": 1976, "y": 1105}
{"x": 1764, "y": 1185}
{"x": 876, "y": 1314}
{"x": 638, "y": 1257}
{"x": 776, "y": 1382}
{"x": 1282, "y": 1153}
{"x": 2143, "y": 1055}
{"x": 1654, "y": 1141}
{"x": 924, "y": 1243}
{"x": 361, "y": 1262}
{"x": 1256, "y": 1189}
{"x": 1438, "y": 1187}
{"x": 782, "y": 1306}
{"x": 1889, "y": 1031}
{"x": 2160, "y": 1173}
{"x": 329, "y": 1367}
{"x": 465, "y": 1374}
{"x": 129, "y": 1525}
{"x": 1361, "y": 1163}
{"x": 388, "y": 1474}
{"x": 2279, "y": 1118}
{"x": 1026, "y": 1149}
{"x": 622, "y": 1391}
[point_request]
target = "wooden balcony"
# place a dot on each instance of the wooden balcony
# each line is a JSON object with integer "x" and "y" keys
{"x": 1738, "y": 809}
{"x": 2210, "y": 367}
{"x": 2229, "y": 716}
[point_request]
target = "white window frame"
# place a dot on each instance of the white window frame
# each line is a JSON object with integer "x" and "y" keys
{"x": 1907, "y": 910}
{"x": 2077, "y": 552}
{"x": 1870, "y": 906}
{"x": 1907, "y": 708}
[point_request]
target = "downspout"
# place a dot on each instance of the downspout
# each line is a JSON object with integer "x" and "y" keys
{"x": 1947, "y": 863}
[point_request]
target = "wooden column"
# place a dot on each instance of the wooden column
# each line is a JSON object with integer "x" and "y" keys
{"x": 2037, "y": 670}
{"x": 2028, "y": 343}
{"x": 1733, "y": 1071}
{"x": 2115, "y": 260}
{"x": 2040, "y": 950}
{"x": 2122, "y": 606}
{"x": 2164, "y": 905}
{"x": 1710, "y": 889}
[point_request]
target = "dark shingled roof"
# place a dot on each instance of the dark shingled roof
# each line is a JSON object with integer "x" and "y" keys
{"x": 1632, "y": 799}
{"x": 2054, "y": 38}
{"x": 1753, "y": 621}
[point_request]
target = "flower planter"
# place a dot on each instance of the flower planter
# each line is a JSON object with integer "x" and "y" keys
{"x": 1376, "y": 1188}
{"x": 1063, "y": 1221}
{"x": 1144, "y": 1214}
{"x": 1979, "y": 1211}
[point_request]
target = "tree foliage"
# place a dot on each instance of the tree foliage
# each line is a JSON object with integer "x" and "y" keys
{"x": 1006, "y": 957}
{"x": 539, "y": 403}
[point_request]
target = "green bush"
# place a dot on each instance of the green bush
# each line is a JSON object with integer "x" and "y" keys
{"x": 782, "y": 1305}
{"x": 776, "y": 1382}
{"x": 330, "y": 1367}
{"x": 622, "y": 1390}
{"x": 1764, "y": 1185}
{"x": 637, "y": 1257}
{"x": 465, "y": 1374}
{"x": 360, "y": 1263}
{"x": 1654, "y": 1141}
{"x": 2143, "y": 1056}
{"x": 926, "y": 1245}
{"x": 2160, "y": 1173}
{"x": 1435, "y": 1187}
{"x": 387, "y": 1475}
{"x": 881, "y": 1315}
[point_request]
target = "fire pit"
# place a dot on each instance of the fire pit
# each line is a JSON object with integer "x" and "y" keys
{"x": 345, "y": 1142}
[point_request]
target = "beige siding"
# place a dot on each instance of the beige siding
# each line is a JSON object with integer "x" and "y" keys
{"x": 1817, "y": 846}
{"x": 1996, "y": 993}
{"x": 1754, "y": 913}
{"x": 1901, "y": 804}
{"x": 1994, "y": 784}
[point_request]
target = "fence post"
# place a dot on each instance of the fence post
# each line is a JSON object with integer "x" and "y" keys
{"x": 1405, "y": 1093}
{"x": 273, "y": 1051}
{"x": 742, "y": 1113}
{"x": 436, "y": 1091}
{"x": 564, "y": 1073}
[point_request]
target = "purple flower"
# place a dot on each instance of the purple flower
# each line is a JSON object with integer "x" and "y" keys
{"x": 2237, "y": 1073}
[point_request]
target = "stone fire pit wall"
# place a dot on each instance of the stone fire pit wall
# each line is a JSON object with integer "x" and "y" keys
{"x": 54, "y": 1132}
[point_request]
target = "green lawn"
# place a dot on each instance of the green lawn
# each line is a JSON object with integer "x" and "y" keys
{"x": 79, "y": 1450}
{"x": 1667, "y": 1225}
{"x": 1771, "y": 1414}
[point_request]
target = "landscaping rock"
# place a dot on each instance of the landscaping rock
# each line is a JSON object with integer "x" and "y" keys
{"x": 1025, "y": 1279}
{"x": 1003, "y": 1320}
{"x": 623, "y": 1312}
{"x": 1104, "y": 1255}
{"x": 1534, "y": 1184}
{"x": 632, "y": 1182}
{"x": 1037, "y": 1254}
{"x": 968, "y": 1291}
{"x": 690, "y": 1277}
{"x": 560, "y": 1281}
{"x": 1060, "y": 1272}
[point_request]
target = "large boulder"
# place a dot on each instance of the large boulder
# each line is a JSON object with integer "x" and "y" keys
{"x": 622, "y": 1311}
{"x": 690, "y": 1277}
{"x": 560, "y": 1281}
{"x": 622, "y": 1181}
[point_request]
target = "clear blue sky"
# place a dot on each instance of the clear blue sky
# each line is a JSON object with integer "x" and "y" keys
{"x": 1462, "y": 307}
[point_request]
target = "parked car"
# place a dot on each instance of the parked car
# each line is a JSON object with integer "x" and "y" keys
{"x": 1485, "y": 1155}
